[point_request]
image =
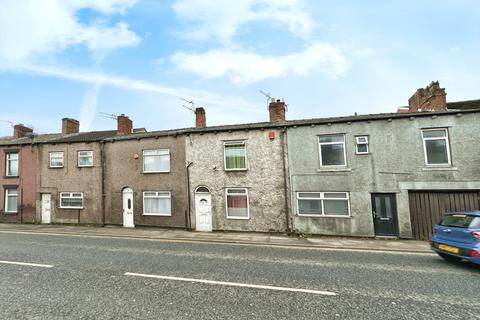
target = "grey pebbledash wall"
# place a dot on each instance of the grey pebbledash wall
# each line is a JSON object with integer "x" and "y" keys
{"x": 264, "y": 178}
{"x": 395, "y": 164}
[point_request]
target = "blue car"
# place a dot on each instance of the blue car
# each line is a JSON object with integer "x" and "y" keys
{"x": 457, "y": 237}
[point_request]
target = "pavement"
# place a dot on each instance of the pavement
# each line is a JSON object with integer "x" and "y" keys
{"x": 67, "y": 276}
{"x": 246, "y": 238}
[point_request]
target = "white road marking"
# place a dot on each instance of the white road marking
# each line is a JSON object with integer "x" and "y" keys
{"x": 27, "y": 264}
{"x": 232, "y": 284}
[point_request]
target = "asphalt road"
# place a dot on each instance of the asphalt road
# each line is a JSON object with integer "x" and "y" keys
{"x": 85, "y": 277}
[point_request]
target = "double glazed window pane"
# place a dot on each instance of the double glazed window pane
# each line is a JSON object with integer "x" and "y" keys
{"x": 85, "y": 158}
{"x": 11, "y": 200}
{"x": 332, "y": 155}
{"x": 237, "y": 203}
{"x": 12, "y": 164}
{"x": 323, "y": 203}
{"x": 156, "y": 160}
{"x": 71, "y": 200}
{"x": 235, "y": 156}
{"x": 157, "y": 203}
{"x": 56, "y": 159}
{"x": 335, "y": 207}
{"x": 436, "y": 151}
{"x": 310, "y": 207}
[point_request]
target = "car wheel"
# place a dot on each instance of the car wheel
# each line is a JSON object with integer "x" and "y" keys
{"x": 449, "y": 257}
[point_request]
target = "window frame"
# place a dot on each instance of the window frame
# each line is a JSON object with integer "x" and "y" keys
{"x": 50, "y": 159}
{"x": 226, "y": 203}
{"x": 157, "y": 197}
{"x": 233, "y": 143}
{"x": 331, "y": 143}
{"x": 7, "y": 196}
{"x": 60, "y": 197}
{"x": 447, "y": 144}
{"x": 366, "y": 143}
{"x": 78, "y": 159}
{"x": 7, "y": 166}
{"x": 322, "y": 199}
{"x": 157, "y": 171}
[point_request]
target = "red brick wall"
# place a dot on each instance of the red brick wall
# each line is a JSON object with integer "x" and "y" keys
{"x": 276, "y": 110}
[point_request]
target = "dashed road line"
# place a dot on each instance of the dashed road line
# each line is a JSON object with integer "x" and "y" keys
{"x": 27, "y": 264}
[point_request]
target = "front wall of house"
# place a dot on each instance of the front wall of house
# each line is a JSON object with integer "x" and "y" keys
{"x": 124, "y": 169}
{"x": 264, "y": 178}
{"x": 25, "y": 184}
{"x": 395, "y": 164}
{"x": 71, "y": 178}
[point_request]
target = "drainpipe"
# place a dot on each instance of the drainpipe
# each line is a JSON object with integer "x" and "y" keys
{"x": 188, "y": 222}
{"x": 284, "y": 142}
{"x": 102, "y": 159}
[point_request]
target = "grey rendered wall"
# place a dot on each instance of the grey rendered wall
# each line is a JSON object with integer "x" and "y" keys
{"x": 71, "y": 178}
{"x": 395, "y": 164}
{"x": 264, "y": 178}
{"x": 124, "y": 166}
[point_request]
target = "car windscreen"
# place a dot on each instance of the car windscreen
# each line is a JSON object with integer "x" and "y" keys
{"x": 460, "y": 221}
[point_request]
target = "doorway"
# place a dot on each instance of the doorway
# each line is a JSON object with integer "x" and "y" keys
{"x": 203, "y": 209}
{"x": 46, "y": 208}
{"x": 384, "y": 212}
{"x": 128, "y": 208}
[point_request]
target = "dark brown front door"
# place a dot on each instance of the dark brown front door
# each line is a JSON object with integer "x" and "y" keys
{"x": 384, "y": 207}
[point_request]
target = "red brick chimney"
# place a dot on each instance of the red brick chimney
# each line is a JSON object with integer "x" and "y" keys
{"x": 70, "y": 126}
{"x": 200, "y": 118}
{"x": 124, "y": 124}
{"x": 276, "y": 109}
{"x": 20, "y": 131}
{"x": 431, "y": 98}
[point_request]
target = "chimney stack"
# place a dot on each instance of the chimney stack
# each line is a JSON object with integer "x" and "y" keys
{"x": 124, "y": 124}
{"x": 431, "y": 98}
{"x": 200, "y": 118}
{"x": 276, "y": 109}
{"x": 70, "y": 126}
{"x": 20, "y": 131}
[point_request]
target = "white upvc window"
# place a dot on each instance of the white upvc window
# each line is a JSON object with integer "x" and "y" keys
{"x": 235, "y": 155}
{"x": 157, "y": 203}
{"x": 436, "y": 147}
{"x": 318, "y": 204}
{"x": 332, "y": 150}
{"x": 361, "y": 145}
{"x": 11, "y": 165}
{"x": 236, "y": 203}
{"x": 71, "y": 200}
{"x": 11, "y": 200}
{"x": 56, "y": 159}
{"x": 156, "y": 160}
{"x": 85, "y": 158}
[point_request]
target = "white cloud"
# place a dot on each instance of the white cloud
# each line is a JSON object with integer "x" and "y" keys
{"x": 34, "y": 27}
{"x": 247, "y": 67}
{"x": 213, "y": 18}
{"x": 89, "y": 106}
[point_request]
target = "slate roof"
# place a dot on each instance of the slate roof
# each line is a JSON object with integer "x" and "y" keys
{"x": 464, "y": 105}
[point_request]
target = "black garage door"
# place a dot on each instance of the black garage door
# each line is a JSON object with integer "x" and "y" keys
{"x": 427, "y": 208}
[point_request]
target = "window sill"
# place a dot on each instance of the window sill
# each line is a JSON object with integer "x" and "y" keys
{"x": 238, "y": 218}
{"x": 78, "y": 208}
{"x": 10, "y": 213}
{"x": 11, "y": 177}
{"x": 440, "y": 169}
{"x": 157, "y": 214}
{"x": 55, "y": 167}
{"x": 322, "y": 216}
{"x": 236, "y": 170}
{"x": 148, "y": 172}
{"x": 85, "y": 166}
{"x": 334, "y": 170}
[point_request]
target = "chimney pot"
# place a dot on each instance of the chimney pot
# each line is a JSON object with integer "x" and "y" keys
{"x": 200, "y": 118}
{"x": 20, "y": 131}
{"x": 431, "y": 98}
{"x": 70, "y": 126}
{"x": 124, "y": 124}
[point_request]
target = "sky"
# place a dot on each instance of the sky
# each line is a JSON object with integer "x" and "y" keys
{"x": 78, "y": 59}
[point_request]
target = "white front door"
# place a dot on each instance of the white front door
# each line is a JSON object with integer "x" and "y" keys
{"x": 128, "y": 208}
{"x": 46, "y": 208}
{"x": 203, "y": 209}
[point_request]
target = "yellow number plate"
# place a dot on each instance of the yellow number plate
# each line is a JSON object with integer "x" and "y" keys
{"x": 444, "y": 247}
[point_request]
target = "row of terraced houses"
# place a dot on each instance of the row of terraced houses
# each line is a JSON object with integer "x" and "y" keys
{"x": 391, "y": 174}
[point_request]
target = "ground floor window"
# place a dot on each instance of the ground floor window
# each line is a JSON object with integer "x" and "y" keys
{"x": 71, "y": 200}
{"x": 11, "y": 197}
{"x": 323, "y": 204}
{"x": 237, "y": 203}
{"x": 157, "y": 203}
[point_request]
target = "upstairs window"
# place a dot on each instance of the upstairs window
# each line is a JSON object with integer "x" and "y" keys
{"x": 11, "y": 165}
{"x": 237, "y": 203}
{"x": 156, "y": 160}
{"x": 235, "y": 156}
{"x": 361, "y": 145}
{"x": 436, "y": 147}
{"x": 85, "y": 158}
{"x": 316, "y": 204}
{"x": 71, "y": 200}
{"x": 332, "y": 150}
{"x": 11, "y": 197}
{"x": 56, "y": 159}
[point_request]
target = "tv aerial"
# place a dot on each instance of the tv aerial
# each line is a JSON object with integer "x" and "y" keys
{"x": 270, "y": 98}
{"x": 191, "y": 105}
{"x": 9, "y": 122}
{"x": 107, "y": 115}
